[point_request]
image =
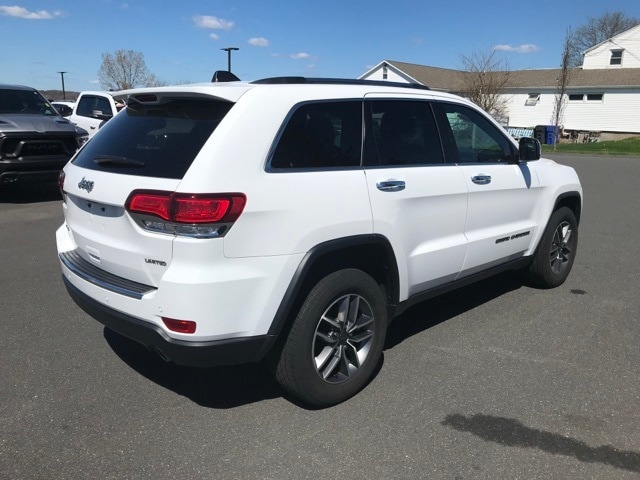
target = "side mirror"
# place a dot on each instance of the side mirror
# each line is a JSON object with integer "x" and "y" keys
{"x": 99, "y": 115}
{"x": 529, "y": 149}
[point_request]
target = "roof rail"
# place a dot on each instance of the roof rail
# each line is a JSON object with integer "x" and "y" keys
{"x": 336, "y": 81}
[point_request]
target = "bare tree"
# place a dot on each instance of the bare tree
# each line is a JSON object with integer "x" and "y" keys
{"x": 597, "y": 30}
{"x": 484, "y": 80}
{"x": 561, "y": 93}
{"x": 125, "y": 69}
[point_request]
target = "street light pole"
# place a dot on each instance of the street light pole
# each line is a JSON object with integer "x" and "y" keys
{"x": 229, "y": 50}
{"x": 64, "y": 95}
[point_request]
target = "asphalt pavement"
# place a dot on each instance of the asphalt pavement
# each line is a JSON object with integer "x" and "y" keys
{"x": 494, "y": 381}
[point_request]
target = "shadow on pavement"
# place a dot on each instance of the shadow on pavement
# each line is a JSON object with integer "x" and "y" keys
{"x": 233, "y": 386}
{"x": 432, "y": 312}
{"x": 216, "y": 387}
{"x": 512, "y": 433}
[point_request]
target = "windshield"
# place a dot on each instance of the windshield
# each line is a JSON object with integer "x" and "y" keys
{"x": 24, "y": 101}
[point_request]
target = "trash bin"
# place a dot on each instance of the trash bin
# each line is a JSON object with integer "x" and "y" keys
{"x": 550, "y": 135}
{"x": 540, "y": 133}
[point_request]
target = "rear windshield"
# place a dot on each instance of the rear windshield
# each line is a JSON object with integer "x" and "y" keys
{"x": 153, "y": 140}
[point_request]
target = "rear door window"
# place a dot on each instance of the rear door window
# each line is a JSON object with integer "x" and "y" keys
{"x": 154, "y": 140}
{"x": 401, "y": 133}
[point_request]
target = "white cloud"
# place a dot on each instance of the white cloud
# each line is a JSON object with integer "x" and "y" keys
{"x": 213, "y": 36}
{"x": 299, "y": 56}
{"x": 214, "y": 23}
{"x": 259, "y": 42}
{"x": 21, "y": 12}
{"x": 526, "y": 48}
{"x": 94, "y": 81}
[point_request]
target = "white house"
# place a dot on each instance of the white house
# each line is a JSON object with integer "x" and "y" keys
{"x": 621, "y": 51}
{"x": 602, "y": 96}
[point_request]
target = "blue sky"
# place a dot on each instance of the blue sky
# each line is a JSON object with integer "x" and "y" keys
{"x": 181, "y": 40}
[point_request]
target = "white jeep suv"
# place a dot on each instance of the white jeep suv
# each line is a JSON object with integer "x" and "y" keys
{"x": 290, "y": 219}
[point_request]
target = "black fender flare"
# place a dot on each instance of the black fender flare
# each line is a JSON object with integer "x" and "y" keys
{"x": 316, "y": 253}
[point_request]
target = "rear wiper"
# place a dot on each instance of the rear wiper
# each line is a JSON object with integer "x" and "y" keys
{"x": 115, "y": 161}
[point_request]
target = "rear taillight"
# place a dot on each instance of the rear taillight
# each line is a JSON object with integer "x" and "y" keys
{"x": 196, "y": 215}
{"x": 157, "y": 204}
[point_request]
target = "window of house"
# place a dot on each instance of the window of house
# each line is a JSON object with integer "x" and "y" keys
{"x": 595, "y": 97}
{"x": 616, "y": 57}
{"x": 532, "y": 100}
{"x": 576, "y": 97}
{"x": 321, "y": 135}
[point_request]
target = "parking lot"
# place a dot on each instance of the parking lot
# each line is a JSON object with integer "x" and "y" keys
{"x": 493, "y": 381}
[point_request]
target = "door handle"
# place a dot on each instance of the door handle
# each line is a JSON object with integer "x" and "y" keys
{"x": 481, "y": 179}
{"x": 391, "y": 186}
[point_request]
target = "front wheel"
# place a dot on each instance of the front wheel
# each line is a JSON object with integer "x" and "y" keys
{"x": 336, "y": 339}
{"x": 556, "y": 252}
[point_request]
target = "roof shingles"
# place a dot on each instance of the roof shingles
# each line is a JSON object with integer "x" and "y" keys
{"x": 452, "y": 80}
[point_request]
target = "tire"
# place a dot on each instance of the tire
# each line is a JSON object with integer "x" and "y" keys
{"x": 336, "y": 339}
{"x": 556, "y": 252}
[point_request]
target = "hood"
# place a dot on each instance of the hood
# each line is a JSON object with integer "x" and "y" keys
{"x": 21, "y": 122}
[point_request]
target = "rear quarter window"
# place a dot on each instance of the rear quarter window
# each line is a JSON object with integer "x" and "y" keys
{"x": 153, "y": 140}
{"x": 319, "y": 136}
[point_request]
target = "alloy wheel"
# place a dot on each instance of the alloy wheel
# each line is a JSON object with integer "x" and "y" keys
{"x": 343, "y": 338}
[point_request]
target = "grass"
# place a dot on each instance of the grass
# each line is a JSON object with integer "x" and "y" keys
{"x": 628, "y": 146}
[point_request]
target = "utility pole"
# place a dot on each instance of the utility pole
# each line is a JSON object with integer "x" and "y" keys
{"x": 229, "y": 50}
{"x": 64, "y": 95}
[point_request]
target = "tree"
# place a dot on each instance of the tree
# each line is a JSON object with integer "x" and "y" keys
{"x": 563, "y": 82}
{"x": 484, "y": 81}
{"x": 597, "y": 30}
{"x": 125, "y": 69}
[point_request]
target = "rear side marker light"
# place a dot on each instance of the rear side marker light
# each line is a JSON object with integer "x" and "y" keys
{"x": 180, "y": 326}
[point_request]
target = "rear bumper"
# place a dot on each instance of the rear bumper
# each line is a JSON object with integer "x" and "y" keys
{"x": 195, "y": 354}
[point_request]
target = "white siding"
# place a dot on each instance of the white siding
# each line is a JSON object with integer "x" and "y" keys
{"x": 600, "y": 56}
{"x": 619, "y": 111}
{"x": 522, "y": 115}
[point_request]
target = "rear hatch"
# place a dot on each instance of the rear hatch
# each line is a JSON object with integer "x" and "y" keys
{"x": 149, "y": 146}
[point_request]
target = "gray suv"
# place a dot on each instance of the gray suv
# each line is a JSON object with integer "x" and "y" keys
{"x": 35, "y": 140}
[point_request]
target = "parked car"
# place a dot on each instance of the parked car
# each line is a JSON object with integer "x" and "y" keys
{"x": 64, "y": 108}
{"x": 290, "y": 219}
{"x": 93, "y": 109}
{"x": 35, "y": 141}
